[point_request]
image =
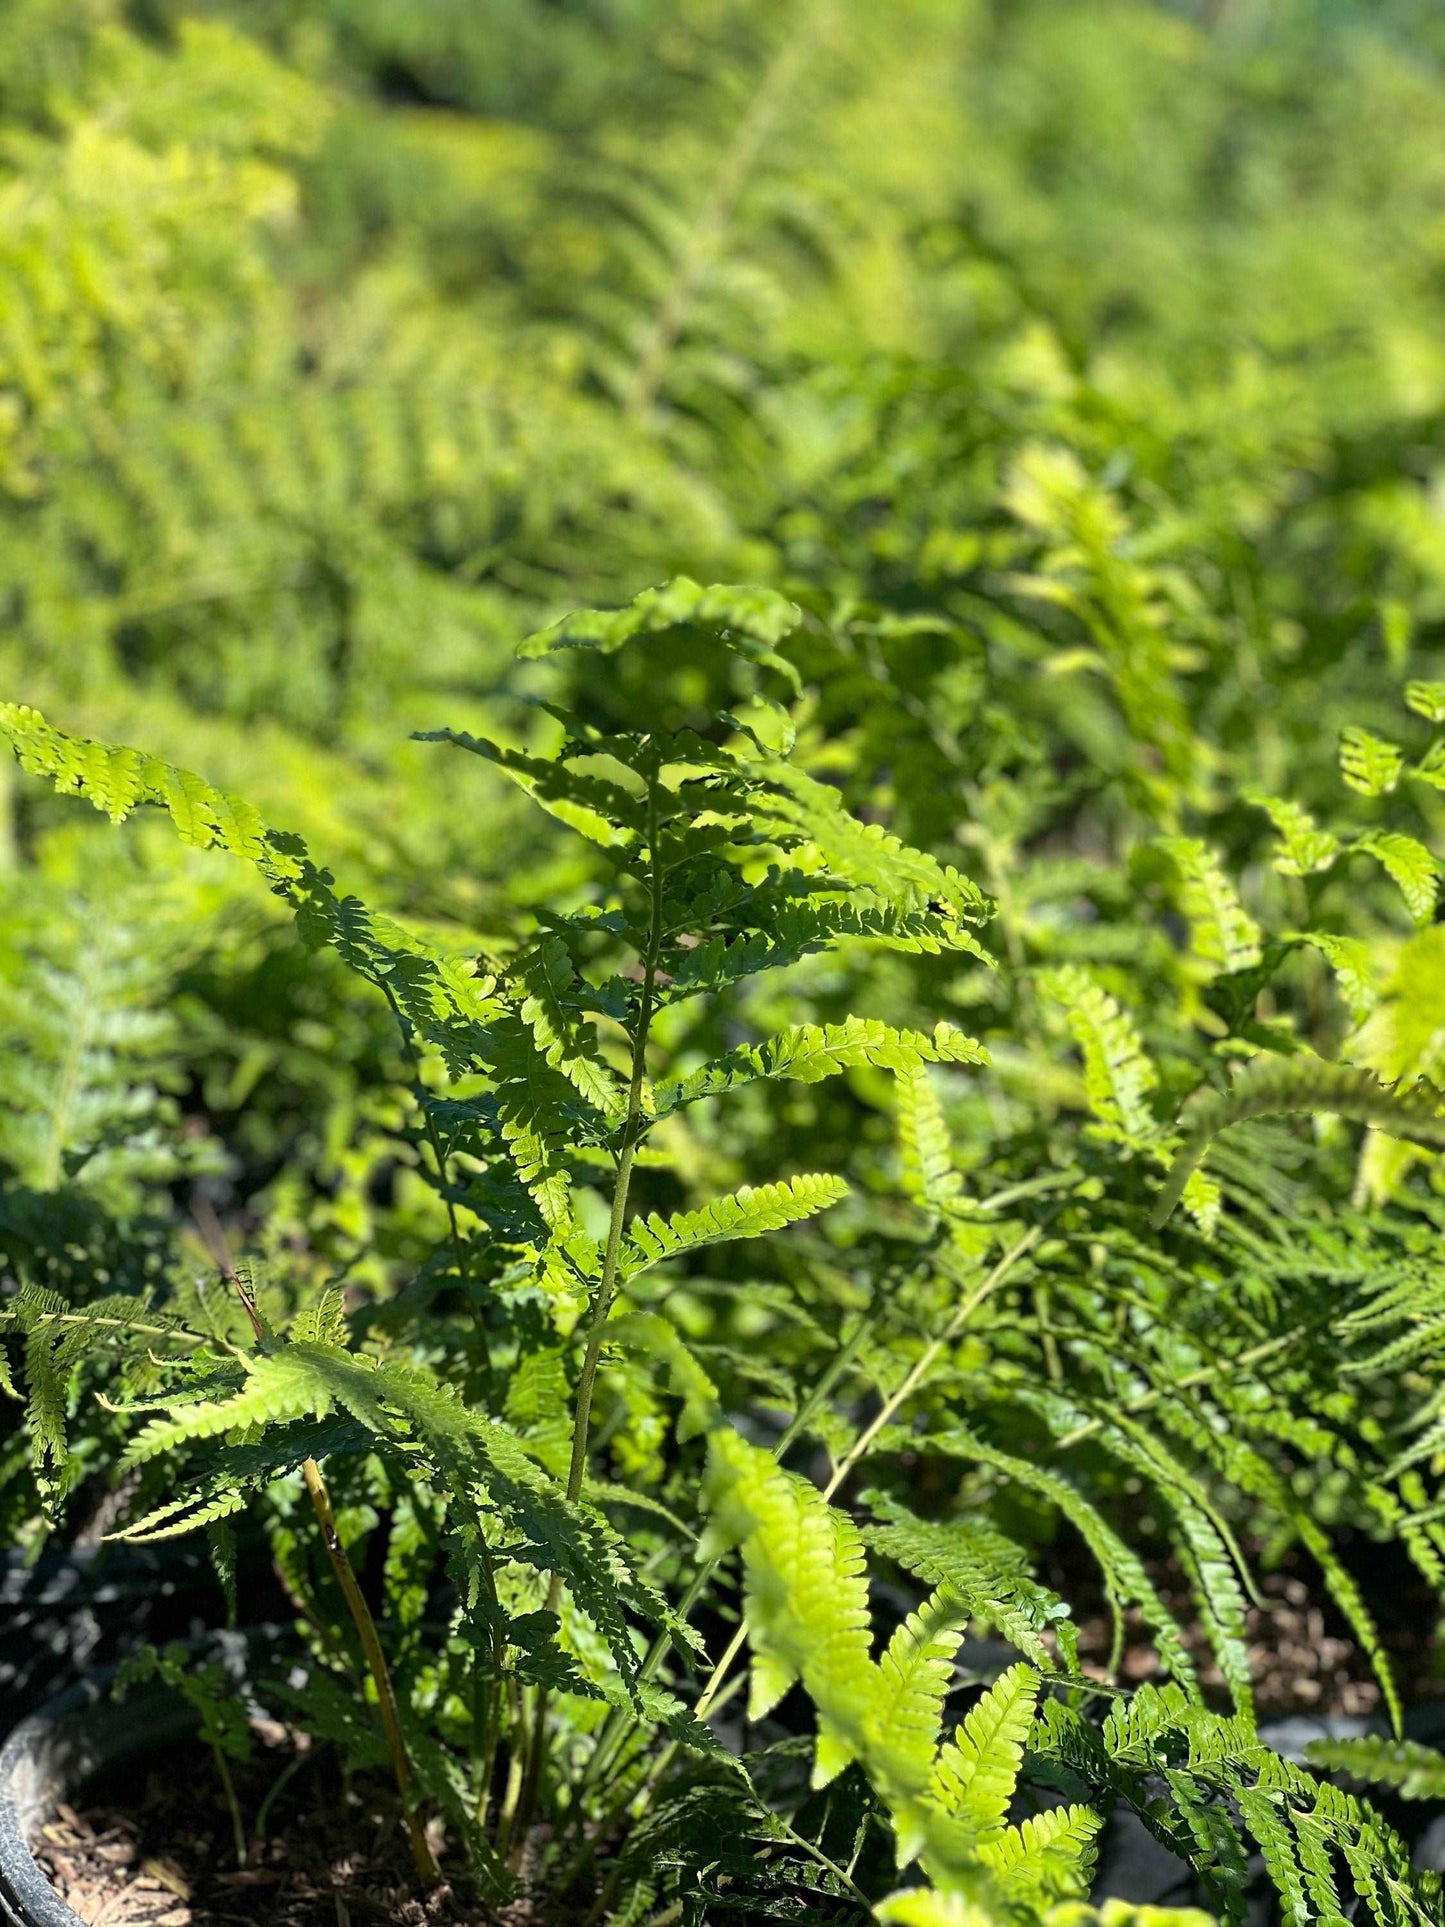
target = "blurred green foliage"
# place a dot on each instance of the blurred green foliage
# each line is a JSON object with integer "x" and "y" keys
{"x": 1077, "y": 368}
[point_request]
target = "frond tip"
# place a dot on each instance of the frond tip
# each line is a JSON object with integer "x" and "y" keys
{"x": 1274, "y": 1086}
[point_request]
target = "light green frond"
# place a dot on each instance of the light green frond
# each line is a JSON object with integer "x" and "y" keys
{"x": 1369, "y": 763}
{"x": 864, "y": 855}
{"x": 974, "y": 1560}
{"x": 808, "y": 1053}
{"x": 925, "y": 1150}
{"x": 544, "y": 976}
{"x": 1221, "y": 931}
{"x": 278, "y": 1387}
{"x": 657, "y": 1338}
{"x": 1416, "y": 1772}
{"x": 806, "y": 1604}
{"x": 323, "y": 1323}
{"x": 1353, "y": 963}
{"x": 1274, "y": 1086}
{"x": 1410, "y": 865}
{"x": 178, "y": 1517}
{"x": 1307, "y": 848}
{"x": 749, "y": 620}
{"x": 928, "y": 1907}
{"x": 1118, "y": 1077}
{"x": 1049, "y": 1856}
{"x": 118, "y": 781}
{"x": 976, "y": 1772}
{"x": 1126, "y": 1579}
{"x": 914, "y": 1674}
{"x": 746, "y": 1213}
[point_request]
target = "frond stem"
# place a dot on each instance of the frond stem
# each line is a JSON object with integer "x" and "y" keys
{"x": 408, "y": 1039}
{"x": 423, "y": 1858}
{"x": 633, "y": 1130}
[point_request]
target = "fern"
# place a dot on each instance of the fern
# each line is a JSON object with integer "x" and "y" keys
{"x": 1222, "y": 932}
{"x": 747, "y": 1214}
{"x": 811, "y": 1052}
{"x": 1118, "y": 1077}
{"x": 1368, "y": 763}
{"x": 1270, "y": 1089}
{"x": 1307, "y": 848}
{"x": 1415, "y": 1772}
{"x": 973, "y": 1778}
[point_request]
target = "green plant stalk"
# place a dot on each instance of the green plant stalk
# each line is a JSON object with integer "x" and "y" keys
{"x": 516, "y": 1771}
{"x": 278, "y": 1786}
{"x": 233, "y": 1805}
{"x": 422, "y": 1856}
{"x": 633, "y": 1129}
{"x": 489, "y": 1736}
{"x": 429, "y": 1125}
{"x": 610, "y": 1739}
{"x": 922, "y": 1365}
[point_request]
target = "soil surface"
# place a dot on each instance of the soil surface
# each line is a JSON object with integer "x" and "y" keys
{"x": 333, "y": 1854}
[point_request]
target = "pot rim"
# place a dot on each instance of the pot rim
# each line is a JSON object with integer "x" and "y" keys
{"x": 69, "y": 1741}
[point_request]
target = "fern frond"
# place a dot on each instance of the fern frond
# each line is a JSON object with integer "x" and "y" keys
{"x": 747, "y": 1213}
{"x": 544, "y": 979}
{"x": 1353, "y": 963}
{"x": 1273, "y": 1086}
{"x": 1048, "y": 1857}
{"x": 975, "y": 1774}
{"x": 441, "y": 1000}
{"x": 808, "y": 927}
{"x": 1118, "y": 1077}
{"x": 1307, "y": 848}
{"x": 1221, "y": 931}
{"x": 178, "y": 1517}
{"x": 807, "y": 1596}
{"x": 915, "y": 1672}
{"x": 750, "y": 621}
{"x": 808, "y": 1053}
{"x": 1415, "y": 1772}
{"x": 925, "y": 1149}
{"x": 1369, "y": 763}
{"x": 864, "y": 855}
{"x": 972, "y": 1559}
{"x": 1410, "y": 864}
{"x": 1126, "y": 1580}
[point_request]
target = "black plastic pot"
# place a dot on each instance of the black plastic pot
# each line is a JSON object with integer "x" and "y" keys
{"x": 84, "y": 1737}
{"x": 74, "y": 1739}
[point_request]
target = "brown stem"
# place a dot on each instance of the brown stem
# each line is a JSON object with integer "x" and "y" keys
{"x": 425, "y": 1861}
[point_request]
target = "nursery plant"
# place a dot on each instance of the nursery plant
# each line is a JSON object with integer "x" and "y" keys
{"x": 547, "y": 1508}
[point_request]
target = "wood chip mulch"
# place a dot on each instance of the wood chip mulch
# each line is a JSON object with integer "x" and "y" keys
{"x": 334, "y": 1857}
